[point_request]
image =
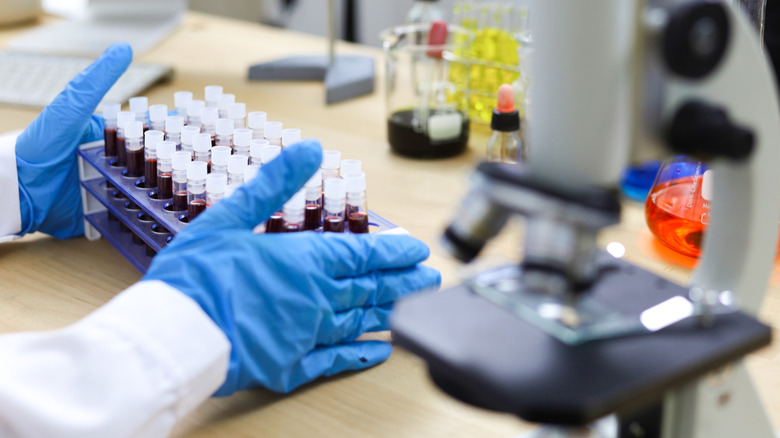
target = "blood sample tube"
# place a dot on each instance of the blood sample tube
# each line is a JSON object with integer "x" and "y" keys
{"x": 357, "y": 210}
{"x": 268, "y": 153}
{"x": 293, "y": 212}
{"x": 256, "y": 151}
{"x": 242, "y": 137}
{"x": 180, "y": 161}
{"x": 331, "y": 162}
{"x": 237, "y": 165}
{"x": 140, "y": 107}
{"x": 216, "y": 184}
{"x": 212, "y": 94}
{"x": 290, "y": 137}
{"x": 250, "y": 173}
{"x": 157, "y": 115}
{"x": 209, "y": 122}
{"x": 110, "y": 113}
{"x": 201, "y": 145}
{"x": 257, "y": 121}
{"x": 273, "y": 133}
{"x": 173, "y": 128}
{"x": 165, "y": 151}
{"x": 134, "y": 144}
{"x": 195, "y": 112}
{"x": 224, "y": 133}
{"x": 335, "y": 204}
{"x": 188, "y": 134}
{"x": 220, "y": 156}
{"x": 237, "y": 113}
{"x": 121, "y": 150}
{"x": 224, "y": 102}
{"x": 181, "y": 100}
{"x": 349, "y": 167}
{"x": 151, "y": 139}
{"x": 313, "y": 195}
{"x": 196, "y": 188}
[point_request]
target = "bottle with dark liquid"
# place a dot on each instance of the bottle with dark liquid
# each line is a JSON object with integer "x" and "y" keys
{"x": 407, "y": 139}
{"x": 134, "y": 144}
{"x": 335, "y": 205}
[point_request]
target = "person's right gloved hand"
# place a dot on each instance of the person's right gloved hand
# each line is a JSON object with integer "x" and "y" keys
{"x": 291, "y": 304}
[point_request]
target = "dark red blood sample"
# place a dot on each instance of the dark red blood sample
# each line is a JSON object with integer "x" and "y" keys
{"x": 121, "y": 152}
{"x": 312, "y": 218}
{"x": 333, "y": 224}
{"x": 195, "y": 207}
{"x": 135, "y": 163}
{"x": 150, "y": 173}
{"x": 291, "y": 228}
{"x": 358, "y": 223}
{"x": 274, "y": 224}
{"x": 180, "y": 201}
{"x": 109, "y": 142}
{"x": 164, "y": 186}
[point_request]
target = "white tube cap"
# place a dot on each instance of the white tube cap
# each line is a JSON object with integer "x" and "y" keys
{"x": 182, "y": 99}
{"x": 225, "y": 101}
{"x": 197, "y": 170}
{"x": 356, "y": 182}
{"x": 134, "y": 129}
{"x": 273, "y": 129}
{"x": 152, "y": 138}
{"x": 165, "y": 150}
{"x": 158, "y": 113}
{"x": 315, "y": 180}
{"x": 296, "y": 203}
{"x": 209, "y": 115}
{"x": 220, "y": 155}
{"x": 256, "y": 147}
{"x": 216, "y": 182}
{"x": 290, "y": 137}
{"x": 257, "y": 119}
{"x": 123, "y": 117}
{"x": 195, "y": 108}
{"x": 174, "y": 123}
{"x": 349, "y": 167}
{"x": 139, "y": 104}
{"x": 180, "y": 160}
{"x": 250, "y": 173}
{"x": 331, "y": 160}
{"x": 110, "y": 110}
{"x": 242, "y": 137}
{"x": 237, "y": 164}
{"x": 335, "y": 188}
{"x": 201, "y": 142}
{"x": 268, "y": 153}
{"x": 224, "y": 127}
{"x": 188, "y": 134}
{"x": 237, "y": 110}
{"x": 212, "y": 93}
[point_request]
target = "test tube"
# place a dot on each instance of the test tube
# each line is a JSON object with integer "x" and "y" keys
{"x": 357, "y": 210}
{"x": 151, "y": 139}
{"x": 224, "y": 133}
{"x": 157, "y": 115}
{"x": 134, "y": 144}
{"x": 313, "y": 214}
{"x": 195, "y": 113}
{"x": 293, "y": 212}
{"x": 201, "y": 145}
{"x": 250, "y": 173}
{"x": 242, "y": 138}
{"x": 220, "y": 156}
{"x": 196, "y": 188}
{"x": 121, "y": 150}
{"x": 165, "y": 151}
{"x": 349, "y": 167}
{"x": 188, "y": 134}
{"x": 173, "y": 128}
{"x": 223, "y": 103}
{"x": 335, "y": 204}
{"x": 268, "y": 153}
{"x": 181, "y": 100}
{"x": 331, "y": 162}
{"x": 208, "y": 122}
{"x": 212, "y": 94}
{"x": 237, "y": 113}
{"x": 140, "y": 107}
{"x": 273, "y": 133}
{"x": 290, "y": 137}
{"x": 216, "y": 184}
{"x": 181, "y": 160}
{"x": 110, "y": 113}
{"x": 236, "y": 169}
{"x": 256, "y": 151}
{"x": 257, "y": 121}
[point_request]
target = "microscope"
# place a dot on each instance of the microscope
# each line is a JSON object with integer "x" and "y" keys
{"x": 584, "y": 343}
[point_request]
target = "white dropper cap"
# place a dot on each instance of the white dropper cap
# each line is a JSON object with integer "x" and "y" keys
{"x": 237, "y": 110}
{"x": 197, "y": 170}
{"x": 139, "y": 104}
{"x": 188, "y": 134}
{"x": 268, "y": 153}
{"x": 212, "y": 93}
{"x": 195, "y": 108}
{"x": 165, "y": 150}
{"x": 152, "y": 138}
{"x": 225, "y": 101}
{"x": 110, "y": 110}
{"x": 224, "y": 126}
{"x": 315, "y": 180}
{"x": 180, "y": 160}
{"x": 158, "y": 113}
{"x": 134, "y": 129}
{"x": 256, "y": 147}
{"x": 250, "y": 173}
{"x": 209, "y": 115}
{"x": 174, "y": 124}
{"x": 182, "y": 99}
{"x": 201, "y": 142}
{"x": 290, "y": 137}
{"x": 237, "y": 164}
{"x": 356, "y": 182}
{"x": 123, "y": 117}
{"x": 349, "y": 167}
{"x": 257, "y": 119}
{"x": 331, "y": 160}
{"x": 335, "y": 188}
{"x": 273, "y": 129}
{"x": 216, "y": 182}
{"x": 220, "y": 155}
{"x": 242, "y": 137}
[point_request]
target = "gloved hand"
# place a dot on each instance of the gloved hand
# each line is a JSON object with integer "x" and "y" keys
{"x": 46, "y": 162}
{"x": 292, "y": 304}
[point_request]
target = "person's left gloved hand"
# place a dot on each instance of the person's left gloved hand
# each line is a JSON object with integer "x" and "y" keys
{"x": 46, "y": 163}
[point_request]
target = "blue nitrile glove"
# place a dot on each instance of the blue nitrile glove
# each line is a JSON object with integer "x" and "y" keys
{"x": 291, "y": 304}
{"x": 49, "y": 193}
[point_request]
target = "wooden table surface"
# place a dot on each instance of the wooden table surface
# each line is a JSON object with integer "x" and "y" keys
{"x": 48, "y": 283}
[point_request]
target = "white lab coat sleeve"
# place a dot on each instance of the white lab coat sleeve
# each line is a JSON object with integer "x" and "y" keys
{"x": 11, "y": 219}
{"x": 130, "y": 369}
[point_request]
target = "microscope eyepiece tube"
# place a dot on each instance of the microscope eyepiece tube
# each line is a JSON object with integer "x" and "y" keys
{"x": 478, "y": 220}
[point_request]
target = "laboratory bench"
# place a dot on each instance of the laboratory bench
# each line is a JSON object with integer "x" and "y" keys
{"x": 49, "y": 283}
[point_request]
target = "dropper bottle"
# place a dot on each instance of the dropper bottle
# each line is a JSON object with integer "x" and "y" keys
{"x": 180, "y": 162}
{"x": 201, "y": 145}
{"x": 293, "y": 212}
{"x": 256, "y": 151}
{"x": 257, "y": 121}
{"x": 220, "y": 156}
{"x": 357, "y": 210}
{"x": 157, "y": 115}
{"x": 196, "y": 189}
{"x": 216, "y": 184}
{"x": 165, "y": 151}
{"x": 181, "y": 100}
{"x": 188, "y": 134}
{"x": 173, "y": 128}
{"x": 110, "y": 113}
{"x": 242, "y": 138}
{"x": 505, "y": 143}
{"x": 313, "y": 190}
{"x": 273, "y": 133}
{"x": 224, "y": 133}
{"x": 195, "y": 113}
{"x": 237, "y": 113}
{"x": 335, "y": 204}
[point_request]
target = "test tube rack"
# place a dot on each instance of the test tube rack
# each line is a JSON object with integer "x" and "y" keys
{"x": 119, "y": 209}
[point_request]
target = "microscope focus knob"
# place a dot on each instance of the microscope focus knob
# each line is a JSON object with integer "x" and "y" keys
{"x": 695, "y": 38}
{"x": 705, "y": 130}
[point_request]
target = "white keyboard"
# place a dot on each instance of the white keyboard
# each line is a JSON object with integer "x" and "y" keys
{"x": 35, "y": 80}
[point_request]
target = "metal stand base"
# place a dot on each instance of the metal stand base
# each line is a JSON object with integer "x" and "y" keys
{"x": 346, "y": 77}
